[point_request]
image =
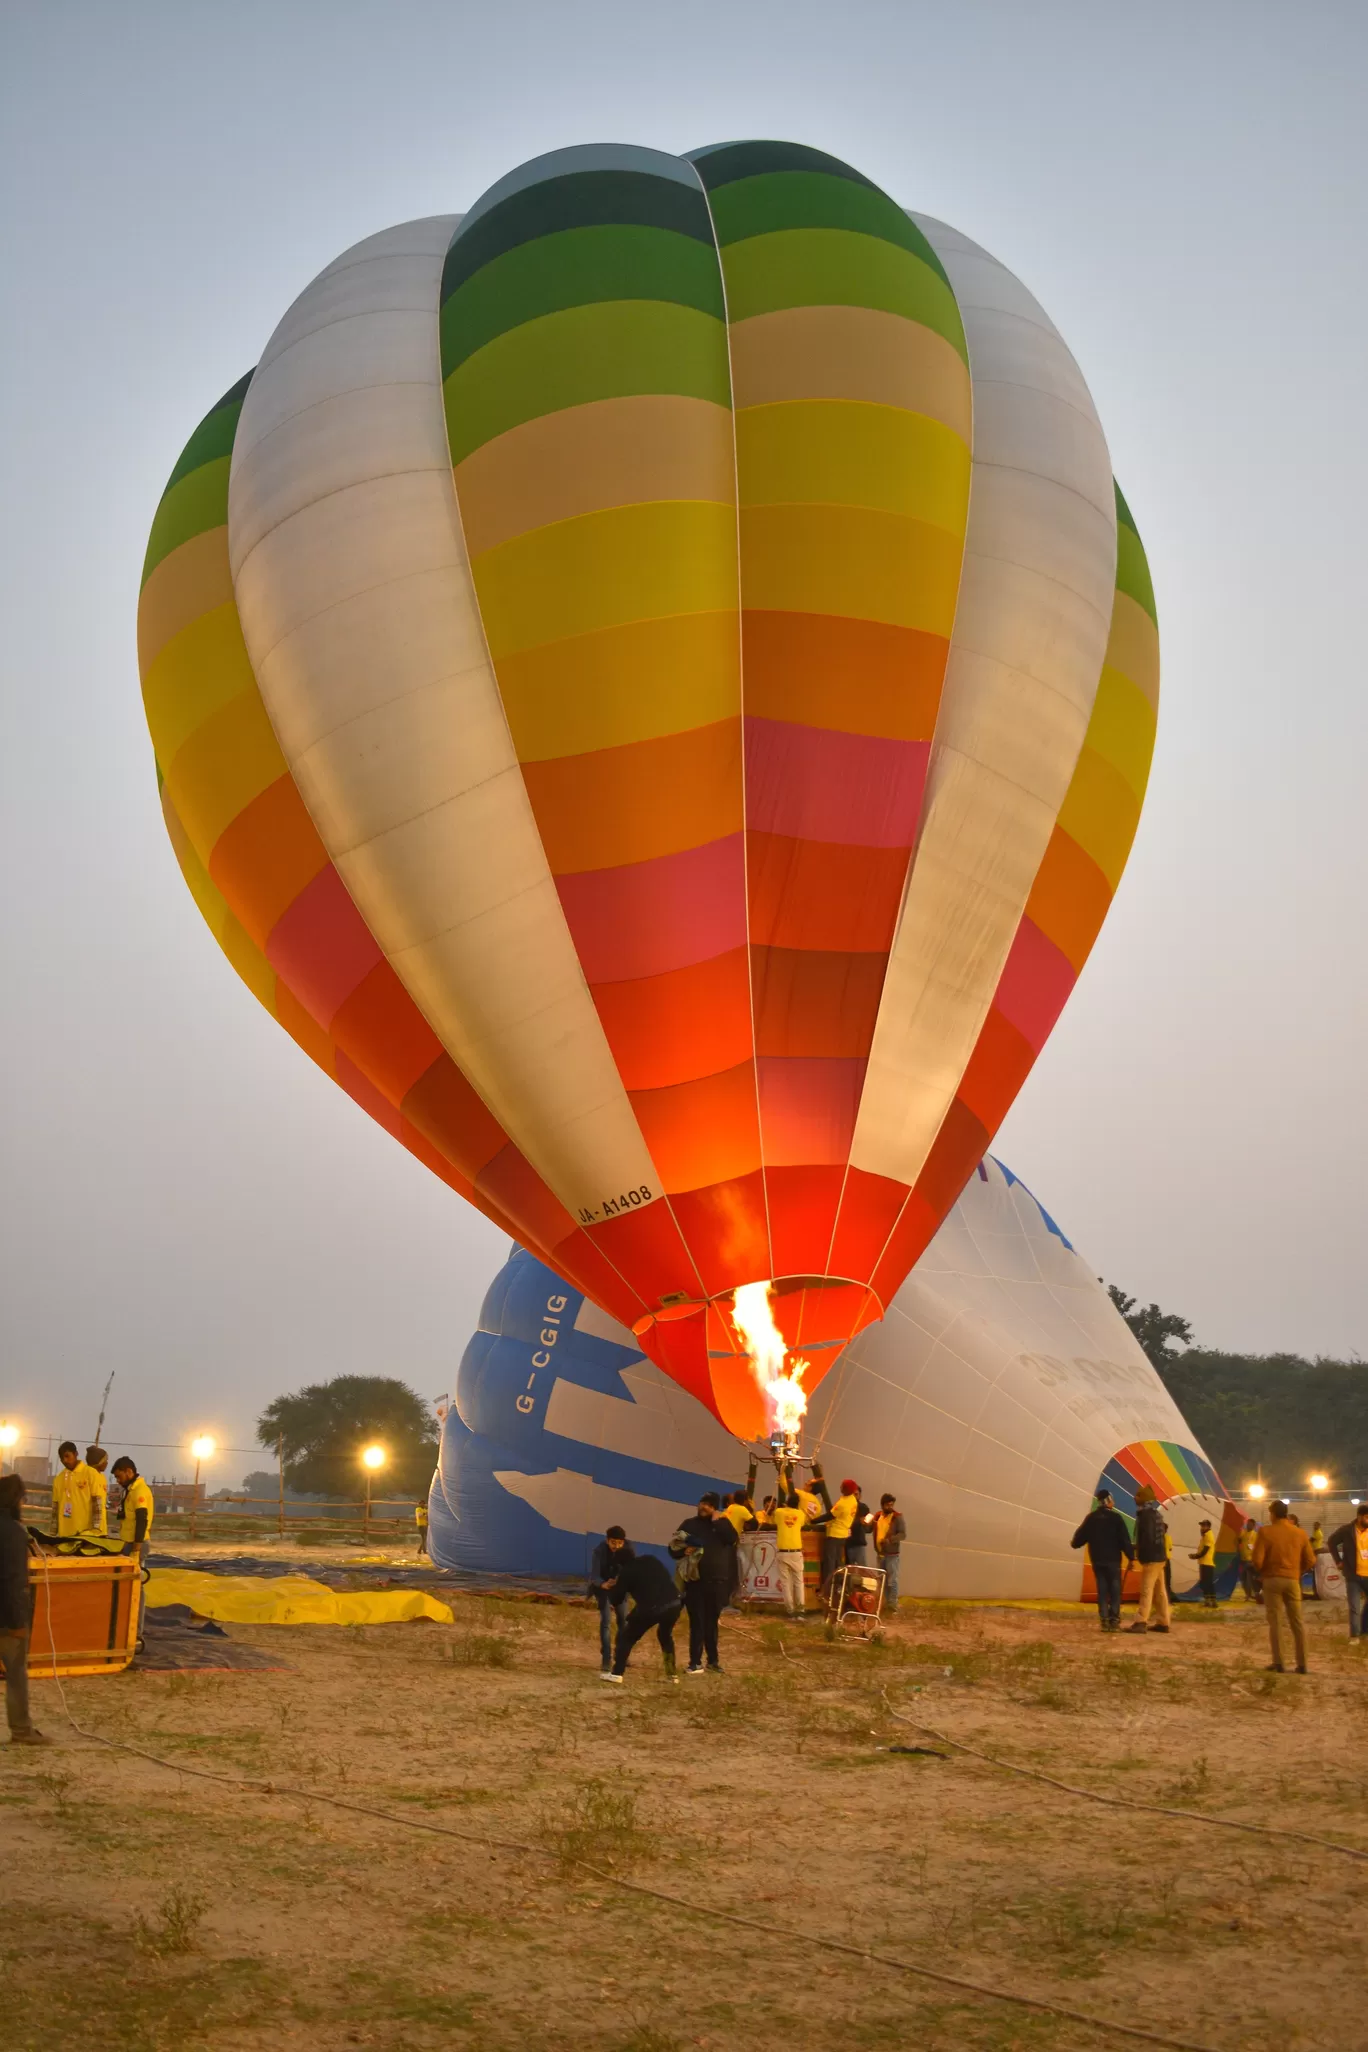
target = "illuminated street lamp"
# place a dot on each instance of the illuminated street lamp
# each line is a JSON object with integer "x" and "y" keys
{"x": 1320, "y": 1483}
{"x": 373, "y": 1458}
{"x": 1256, "y": 1492}
{"x": 203, "y": 1449}
{"x": 9, "y": 1437}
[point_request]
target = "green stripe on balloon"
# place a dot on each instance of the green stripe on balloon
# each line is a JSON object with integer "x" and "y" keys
{"x": 806, "y": 199}
{"x": 830, "y": 267}
{"x": 1132, "y": 569}
{"x": 723, "y": 163}
{"x": 196, "y": 495}
{"x": 613, "y": 350}
{"x": 577, "y": 267}
{"x": 582, "y": 199}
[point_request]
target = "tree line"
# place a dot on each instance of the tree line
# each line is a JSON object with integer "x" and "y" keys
{"x": 1277, "y": 1414}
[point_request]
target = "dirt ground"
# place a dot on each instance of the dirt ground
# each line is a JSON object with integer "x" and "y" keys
{"x": 172, "y": 1911}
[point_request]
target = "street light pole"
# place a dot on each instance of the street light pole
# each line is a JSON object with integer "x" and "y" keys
{"x": 372, "y": 1457}
{"x": 202, "y": 1448}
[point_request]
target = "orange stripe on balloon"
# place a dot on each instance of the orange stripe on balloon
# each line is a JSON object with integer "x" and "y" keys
{"x": 854, "y": 676}
{"x": 267, "y": 856}
{"x": 823, "y": 896}
{"x": 617, "y": 806}
{"x": 701, "y": 1132}
{"x": 675, "y": 1027}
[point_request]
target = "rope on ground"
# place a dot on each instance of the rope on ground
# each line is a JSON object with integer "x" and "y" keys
{"x": 1105, "y": 2026}
{"x": 1090, "y": 1795}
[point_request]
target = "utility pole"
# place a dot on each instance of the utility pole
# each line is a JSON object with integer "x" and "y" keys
{"x": 104, "y": 1400}
{"x": 280, "y": 1468}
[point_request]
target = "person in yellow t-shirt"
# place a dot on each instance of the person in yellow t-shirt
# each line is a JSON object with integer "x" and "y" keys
{"x": 137, "y": 1510}
{"x": 789, "y": 1520}
{"x": 838, "y": 1529}
{"x": 1168, "y": 1562}
{"x": 97, "y": 1460}
{"x": 1205, "y": 1557}
{"x": 73, "y": 1496}
{"x": 420, "y": 1519}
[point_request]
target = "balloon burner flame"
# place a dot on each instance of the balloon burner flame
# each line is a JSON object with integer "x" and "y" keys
{"x": 782, "y": 1384}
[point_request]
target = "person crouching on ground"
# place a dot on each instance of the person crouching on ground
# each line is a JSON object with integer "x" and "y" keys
{"x": 1151, "y": 1550}
{"x": 1349, "y": 1550}
{"x": 610, "y": 1556}
{"x": 1205, "y": 1557}
{"x": 704, "y": 1546}
{"x": 655, "y": 1605}
{"x": 1282, "y": 1555}
{"x": 1111, "y": 1551}
{"x": 16, "y": 1613}
{"x": 890, "y": 1529}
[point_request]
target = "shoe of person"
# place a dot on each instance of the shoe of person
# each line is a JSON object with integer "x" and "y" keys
{"x": 1138, "y": 1627}
{"x": 609, "y": 1676}
{"x": 716, "y": 1667}
{"x": 1157, "y": 1628}
{"x": 696, "y": 1670}
{"x": 1275, "y": 1667}
{"x": 1303, "y": 1670}
{"x": 605, "y": 1669}
{"x": 32, "y": 1737}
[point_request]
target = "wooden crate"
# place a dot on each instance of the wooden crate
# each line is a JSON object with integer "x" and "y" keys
{"x": 88, "y": 1609}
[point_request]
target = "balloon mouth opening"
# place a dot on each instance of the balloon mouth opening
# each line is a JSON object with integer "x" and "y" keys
{"x": 756, "y": 1352}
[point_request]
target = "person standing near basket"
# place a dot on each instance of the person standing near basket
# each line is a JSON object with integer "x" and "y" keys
{"x": 1205, "y": 1557}
{"x": 890, "y": 1529}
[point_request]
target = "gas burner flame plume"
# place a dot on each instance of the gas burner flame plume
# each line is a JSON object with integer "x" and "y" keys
{"x": 783, "y": 1386}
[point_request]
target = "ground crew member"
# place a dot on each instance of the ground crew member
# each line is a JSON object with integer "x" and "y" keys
{"x": 137, "y": 1509}
{"x": 16, "y": 1613}
{"x": 704, "y": 1545}
{"x": 1111, "y": 1551}
{"x": 1168, "y": 1562}
{"x": 1318, "y": 1548}
{"x": 789, "y": 1520}
{"x": 97, "y": 1460}
{"x": 73, "y": 1495}
{"x": 1249, "y": 1581}
{"x": 890, "y": 1529}
{"x": 1205, "y": 1557}
{"x": 1282, "y": 1554}
{"x": 838, "y": 1530}
{"x": 1151, "y": 1550}
{"x": 420, "y": 1519}
{"x": 1349, "y": 1548}
{"x": 655, "y": 1602}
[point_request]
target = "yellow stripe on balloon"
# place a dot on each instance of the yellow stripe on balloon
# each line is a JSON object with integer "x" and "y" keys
{"x": 1122, "y": 729}
{"x": 192, "y": 580}
{"x": 197, "y": 673}
{"x": 851, "y": 563}
{"x": 605, "y": 569}
{"x": 225, "y": 764}
{"x": 836, "y": 452}
{"x": 850, "y": 352}
{"x": 1101, "y": 812}
{"x": 1133, "y": 646}
{"x": 639, "y": 682}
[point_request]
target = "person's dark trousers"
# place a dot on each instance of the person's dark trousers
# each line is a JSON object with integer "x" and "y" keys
{"x": 833, "y": 1559}
{"x": 14, "y": 1660}
{"x": 1108, "y": 1580}
{"x": 1207, "y": 1577}
{"x": 703, "y": 1601}
{"x": 1356, "y": 1589}
{"x": 618, "y": 1611}
{"x": 641, "y": 1620}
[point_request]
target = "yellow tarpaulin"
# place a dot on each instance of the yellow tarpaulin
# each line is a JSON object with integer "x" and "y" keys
{"x": 288, "y": 1599}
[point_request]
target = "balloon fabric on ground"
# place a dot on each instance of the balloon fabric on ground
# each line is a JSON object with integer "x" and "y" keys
{"x": 1001, "y": 1389}
{"x": 728, "y": 976}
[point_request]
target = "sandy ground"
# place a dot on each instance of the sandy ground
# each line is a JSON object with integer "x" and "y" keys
{"x": 170, "y": 1911}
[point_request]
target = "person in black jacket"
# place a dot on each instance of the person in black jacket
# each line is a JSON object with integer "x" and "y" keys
{"x": 704, "y": 1545}
{"x": 1111, "y": 1551}
{"x": 16, "y": 1612}
{"x": 1151, "y": 1550}
{"x": 655, "y": 1604}
{"x": 1349, "y": 1550}
{"x": 611, "y": 1550}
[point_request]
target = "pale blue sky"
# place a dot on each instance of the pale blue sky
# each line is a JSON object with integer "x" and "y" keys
{"x": 1184, "y": 186}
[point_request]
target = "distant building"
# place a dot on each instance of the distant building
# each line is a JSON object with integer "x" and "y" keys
{"x": 35, "y": 1470}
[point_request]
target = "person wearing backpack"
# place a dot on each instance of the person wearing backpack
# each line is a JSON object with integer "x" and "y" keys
{"x": 1151, "y": 1550}
{"x": 704, "y": 1546}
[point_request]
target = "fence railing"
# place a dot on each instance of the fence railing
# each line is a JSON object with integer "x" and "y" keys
{"x": 235, "y": 1516}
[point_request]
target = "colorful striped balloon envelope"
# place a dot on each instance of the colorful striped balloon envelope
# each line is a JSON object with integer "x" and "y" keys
{"x": 653, "y": 685}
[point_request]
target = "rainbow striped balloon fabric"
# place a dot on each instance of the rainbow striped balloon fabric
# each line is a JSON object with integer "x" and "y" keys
{"x": 653, "y": 685}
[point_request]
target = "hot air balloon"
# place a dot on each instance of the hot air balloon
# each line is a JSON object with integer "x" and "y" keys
{"x": 653, "y": 683}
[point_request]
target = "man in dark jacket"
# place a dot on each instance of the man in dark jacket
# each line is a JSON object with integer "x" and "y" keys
{"x": 704, "y": 1545}
{"x": 1111, "y": 1551}
{"x": 1151, "y": 1550}
{"x": 1349, "y": 1549}
{"x": 16, "y": 1612}
{"x": 611, "y": 1551}
{"x": 655, "y": 1604}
